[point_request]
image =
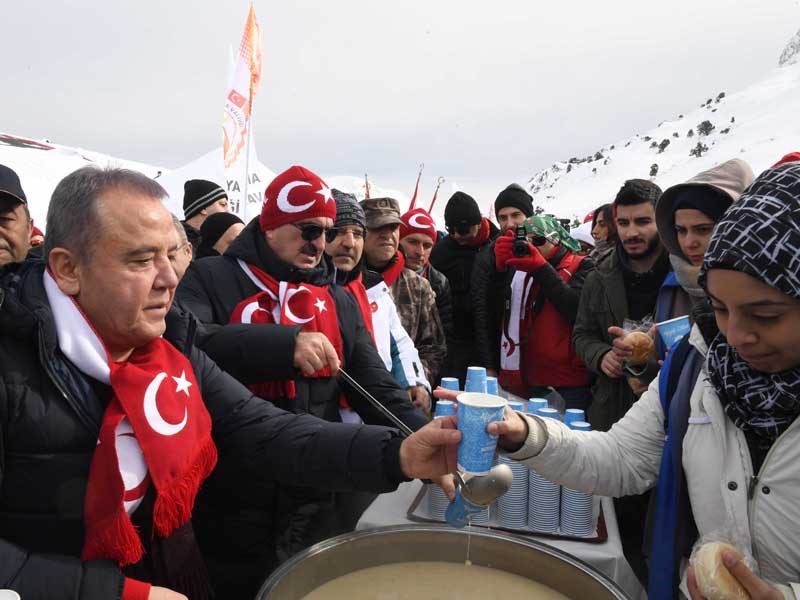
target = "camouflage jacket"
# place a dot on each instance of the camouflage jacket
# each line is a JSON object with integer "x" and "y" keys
{"x": 416, "y": 305}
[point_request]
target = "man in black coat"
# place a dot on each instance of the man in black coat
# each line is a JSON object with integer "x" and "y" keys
{"x": 512, "y": 206}
{"x": 276, "y": 277}
{"x": 74, "y": 345}
{"x": 454, "y": 255}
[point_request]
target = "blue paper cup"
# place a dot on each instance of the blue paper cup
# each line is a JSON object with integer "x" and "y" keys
{"x": 550, "y": 413}
{"x": 673, "y": 330}
{"x": 444, "y": 408}
{"x": 450, "y": 383}
{"x": 476, "y": 448}
{"x": 476, "y": 380}
{"x": 516, "y": 405}
{"x": 574, "y": 414}
{"x": 580, "y": 426}
{"x": 492, "y": 387}
{"x": 534, "y": 404}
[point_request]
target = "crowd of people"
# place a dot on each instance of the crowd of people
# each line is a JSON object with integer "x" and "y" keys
{"x": 174, "y": 424}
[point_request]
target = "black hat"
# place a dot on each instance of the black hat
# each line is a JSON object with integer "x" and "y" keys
{"x": 199, "y": 193}
{"x": 516, "y": 196}
{"x": 637, "y": 191}
{"x": 10, "y": 187}
{"x": 348, "y": 210}
{"x": 213, "y": 228}
{"x": 462, "y": 209}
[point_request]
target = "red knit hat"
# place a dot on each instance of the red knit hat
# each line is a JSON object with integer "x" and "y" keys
{"x": 295, "y": 195}
{"x": 418, "y": 221}
{"x": 791, "y": 157}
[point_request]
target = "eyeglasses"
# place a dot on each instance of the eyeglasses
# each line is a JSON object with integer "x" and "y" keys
{"x": 312, "y": 232}
{"x": 459, "y": 229}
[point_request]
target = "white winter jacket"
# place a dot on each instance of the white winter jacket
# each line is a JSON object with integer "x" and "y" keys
{"x": 395, "y": 346}
{"x": 761, "y": 511}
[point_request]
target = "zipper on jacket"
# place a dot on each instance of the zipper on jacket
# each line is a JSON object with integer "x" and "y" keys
{"x": 752, "y": 487}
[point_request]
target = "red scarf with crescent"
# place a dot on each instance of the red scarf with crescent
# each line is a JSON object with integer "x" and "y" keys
{"x": 285, "y": 303}
{"x": 155, "y": 431}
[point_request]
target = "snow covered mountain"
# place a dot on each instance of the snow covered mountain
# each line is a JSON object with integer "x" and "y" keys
{"x": 759, "y": 124}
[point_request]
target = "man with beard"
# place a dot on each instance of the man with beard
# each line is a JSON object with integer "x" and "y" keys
{"x": 15, "y": 220}
{"x": 413, "y": 296}
{"x": 375, "y": 300}
{"x": 275, "y": 278}
{"x": 454, "y": 255}
{"x": 624, "y": 285}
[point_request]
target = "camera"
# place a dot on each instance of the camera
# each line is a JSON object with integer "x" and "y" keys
{"x": 520, "y": 248}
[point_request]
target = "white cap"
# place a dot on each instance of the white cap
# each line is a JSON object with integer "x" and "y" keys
{"x": 583, "y": 233}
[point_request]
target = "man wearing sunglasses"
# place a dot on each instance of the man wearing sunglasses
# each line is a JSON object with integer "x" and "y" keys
{"x": 413, "y": 295}
{"x": 284, "y": 330}
{"x": 543, "y": 283}
{"x": 455, "y": 255}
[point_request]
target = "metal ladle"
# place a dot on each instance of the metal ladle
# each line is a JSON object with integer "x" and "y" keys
{"x": 481, "y": 489}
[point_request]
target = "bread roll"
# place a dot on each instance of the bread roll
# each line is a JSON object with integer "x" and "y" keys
{"x": 713, "y": 579}
{"x": 644, "y": 348}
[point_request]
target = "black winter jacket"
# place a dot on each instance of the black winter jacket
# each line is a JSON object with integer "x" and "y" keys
{"x": 444, "y": 299}
{"x": 49, "y": 423}
{"x": 214, "y": 286}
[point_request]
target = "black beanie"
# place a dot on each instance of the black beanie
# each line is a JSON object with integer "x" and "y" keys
{"x": 213, "y": 228}
{"x": 199, "y": 193}
{"x": 462, "y": 209}
{"x": 516, "y": 196}
{"x": 637, "y": 191}
{"x": 708, "y": 200}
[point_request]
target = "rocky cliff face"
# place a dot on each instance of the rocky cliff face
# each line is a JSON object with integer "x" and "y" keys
{"x": 791, "y": 54}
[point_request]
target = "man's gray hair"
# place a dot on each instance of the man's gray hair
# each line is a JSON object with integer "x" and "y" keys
{"x": 182, "y": 239}
{"x": 73, "y": 221}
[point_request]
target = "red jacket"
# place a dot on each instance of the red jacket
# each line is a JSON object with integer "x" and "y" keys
{"x": 547, "y": 355}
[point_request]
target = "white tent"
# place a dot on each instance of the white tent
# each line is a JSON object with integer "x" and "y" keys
{"x": 41, "y": 165}
{"x": 210, "y": 167}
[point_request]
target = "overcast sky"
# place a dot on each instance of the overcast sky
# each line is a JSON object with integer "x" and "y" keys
{"x": 484, "y": 93}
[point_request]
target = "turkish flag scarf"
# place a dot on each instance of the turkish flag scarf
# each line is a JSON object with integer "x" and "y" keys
{"x": 393, "y": 271}
{"x": 359, "y": 292}
{"x": 155, "y": 430}
{"x": 286, "y": 303}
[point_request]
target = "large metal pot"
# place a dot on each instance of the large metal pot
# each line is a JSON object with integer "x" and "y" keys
{"x": 372, "y": 547}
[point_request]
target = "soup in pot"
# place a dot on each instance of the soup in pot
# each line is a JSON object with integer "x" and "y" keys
{"x": 432, "y": 581}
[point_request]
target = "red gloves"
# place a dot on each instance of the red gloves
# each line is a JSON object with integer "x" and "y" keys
{"x": 504, "y": 255}
{"x": 503, "y": 250}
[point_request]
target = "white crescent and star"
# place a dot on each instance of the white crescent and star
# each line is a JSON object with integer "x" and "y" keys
{"x": 414, "y": 221}
{"x": 151, "y": 412}
{"x": 320, "y": 304}
{"x": 287, "y": 308}
{"x": 283, "y": 198}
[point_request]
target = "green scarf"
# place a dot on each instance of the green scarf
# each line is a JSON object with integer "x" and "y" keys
{"x": 552, "y": 230}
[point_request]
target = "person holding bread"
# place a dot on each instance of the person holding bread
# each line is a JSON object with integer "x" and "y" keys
{"x": 741, "y": 446}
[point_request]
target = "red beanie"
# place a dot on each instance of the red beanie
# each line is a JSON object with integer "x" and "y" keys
{"x": 791, "y": 157}
{"x": 295, "y": 195}
{"x": 418, "y": 221}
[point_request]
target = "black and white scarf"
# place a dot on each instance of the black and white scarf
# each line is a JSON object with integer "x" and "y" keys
{"x": 760, "y": 236}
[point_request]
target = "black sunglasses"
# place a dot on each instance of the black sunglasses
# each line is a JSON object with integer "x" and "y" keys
{"x": 459, "y": 229}
{"x": 312, "y": 232}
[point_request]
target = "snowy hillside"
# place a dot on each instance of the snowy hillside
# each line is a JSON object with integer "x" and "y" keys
{"x": 759, "y": 124}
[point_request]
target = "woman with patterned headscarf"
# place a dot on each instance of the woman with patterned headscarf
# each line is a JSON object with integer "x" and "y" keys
{"x": 544, "y": 279}
{"x": 734, "y": 474}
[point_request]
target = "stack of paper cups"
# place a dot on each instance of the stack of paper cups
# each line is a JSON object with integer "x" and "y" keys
{"x": 544, "y": 497}
{"x": 450, "y": 383}
{"x": 576, "y": 507}
{"x": 534, "y": 404}
{"x": 476, "y": 380}
{"x": 437, "y": 502}
{"x": 513, "y": 505}
{"x": 574, "y": 414}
